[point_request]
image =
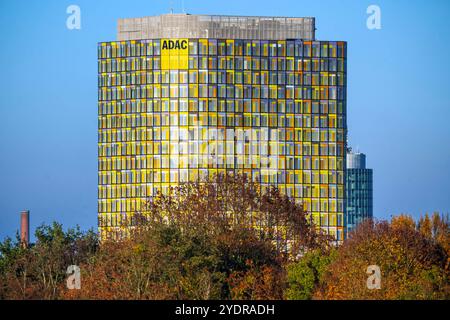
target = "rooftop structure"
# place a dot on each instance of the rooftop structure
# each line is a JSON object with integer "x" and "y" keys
{"x": 216, "y": 26}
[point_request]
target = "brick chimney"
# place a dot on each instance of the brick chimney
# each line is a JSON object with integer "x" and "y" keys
{"x": 25, "y": 228}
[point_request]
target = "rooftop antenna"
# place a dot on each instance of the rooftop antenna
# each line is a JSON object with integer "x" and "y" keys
{"x": 171, "y": 6}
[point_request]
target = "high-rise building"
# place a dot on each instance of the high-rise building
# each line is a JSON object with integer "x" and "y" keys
{"x": 183, "y": 97}
{"x": 359, "y": 189}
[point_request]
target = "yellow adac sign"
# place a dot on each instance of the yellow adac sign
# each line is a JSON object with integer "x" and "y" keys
{"x": 174, "y": 54}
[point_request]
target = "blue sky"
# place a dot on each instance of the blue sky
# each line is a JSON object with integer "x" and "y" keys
{"x": 398, "y": 99}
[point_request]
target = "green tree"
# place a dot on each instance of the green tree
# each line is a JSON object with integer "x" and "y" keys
{"x": 304, "y": 276}
{"x": 160, "y": 261}
{"x": 39, "y": 271}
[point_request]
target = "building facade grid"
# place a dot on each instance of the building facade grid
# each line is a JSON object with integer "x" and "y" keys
{"x": 274, "y": 110}
{"x": 359, "y": 196}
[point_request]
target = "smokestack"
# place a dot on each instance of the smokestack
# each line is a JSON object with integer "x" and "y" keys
{"x": 25, "y": 228}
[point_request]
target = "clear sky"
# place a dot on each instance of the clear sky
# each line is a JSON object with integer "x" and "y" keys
{"x": 398, "y": 98}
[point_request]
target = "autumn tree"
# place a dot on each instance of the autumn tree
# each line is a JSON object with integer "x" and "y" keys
{"x": 438, "y": 228}
{"x": 230, "y": 201}
{"x": 441, "y": 229}
{"x": 222, "y": 238}
{"x": 255, "y": 229}
{"x": 403, "y": 221}
{"x": 266, "y": 282}
{"x": 425, "y": 226}
{"x": 412, "y": 265}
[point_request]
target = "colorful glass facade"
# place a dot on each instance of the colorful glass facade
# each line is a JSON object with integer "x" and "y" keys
{"x": 175, "y": 110}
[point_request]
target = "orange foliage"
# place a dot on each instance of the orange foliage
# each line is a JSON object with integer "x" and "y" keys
{"x": 412, "y": 266}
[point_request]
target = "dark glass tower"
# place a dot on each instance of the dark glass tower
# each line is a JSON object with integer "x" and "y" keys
{"x": 359, "y": 190}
